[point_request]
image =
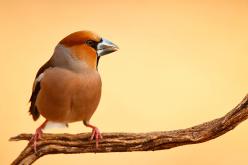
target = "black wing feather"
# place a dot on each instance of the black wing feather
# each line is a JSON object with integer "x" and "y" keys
{"x": 33, "y": 110}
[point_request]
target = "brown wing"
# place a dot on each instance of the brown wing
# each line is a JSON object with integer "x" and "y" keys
{"x": 36, "y": 88}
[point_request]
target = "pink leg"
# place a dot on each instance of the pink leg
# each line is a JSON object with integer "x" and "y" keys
{"x": 95, "y": 133}
{"x": 37, "y": 135}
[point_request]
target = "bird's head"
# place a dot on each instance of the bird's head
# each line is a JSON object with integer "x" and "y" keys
{"x": 88, "y": 47}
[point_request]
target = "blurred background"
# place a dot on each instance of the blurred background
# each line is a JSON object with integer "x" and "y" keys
{"x": 180, "y": 63}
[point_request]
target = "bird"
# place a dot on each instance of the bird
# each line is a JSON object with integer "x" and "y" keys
{"x": 67, "y": 88}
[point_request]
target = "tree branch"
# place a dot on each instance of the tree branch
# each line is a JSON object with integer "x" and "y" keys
{"x": 127, "y": 142}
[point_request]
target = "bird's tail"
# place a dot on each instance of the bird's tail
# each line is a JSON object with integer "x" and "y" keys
{"x": 34, "y": 111}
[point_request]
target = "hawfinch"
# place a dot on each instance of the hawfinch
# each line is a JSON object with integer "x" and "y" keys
{"x": 67, "y": 88}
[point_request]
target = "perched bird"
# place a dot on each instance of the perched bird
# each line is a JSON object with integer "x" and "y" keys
{"x": 67, "y": 88}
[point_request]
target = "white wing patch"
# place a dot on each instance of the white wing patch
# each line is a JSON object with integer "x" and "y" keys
{"x": 39, "y": 77}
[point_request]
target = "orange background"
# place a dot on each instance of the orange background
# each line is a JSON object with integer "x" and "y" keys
{"x": 180, "y": 63}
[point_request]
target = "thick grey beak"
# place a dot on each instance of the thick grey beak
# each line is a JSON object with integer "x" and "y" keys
{"x": 105, "y": 47}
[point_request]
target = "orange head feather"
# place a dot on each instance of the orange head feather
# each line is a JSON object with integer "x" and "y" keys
{"x": 88, "y": 47}
{"x": 80, "y": 45}
{"x": 80, "y": 37}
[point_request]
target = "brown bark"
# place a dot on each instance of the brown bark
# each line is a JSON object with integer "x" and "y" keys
{"x": 127, "y": 142}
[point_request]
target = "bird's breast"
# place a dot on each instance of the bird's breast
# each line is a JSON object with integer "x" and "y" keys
{"x": 66, "y": 96}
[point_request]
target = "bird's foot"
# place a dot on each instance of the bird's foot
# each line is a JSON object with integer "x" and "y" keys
{"x": 96, "y": 135}
{"x": 35, "y": 138}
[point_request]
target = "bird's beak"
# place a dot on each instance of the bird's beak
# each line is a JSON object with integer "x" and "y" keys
{"x": 105, "y": 47}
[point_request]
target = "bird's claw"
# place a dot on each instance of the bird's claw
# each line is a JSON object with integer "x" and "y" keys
{"x": 96, "y": 135}
{"x": 35, "y": 138}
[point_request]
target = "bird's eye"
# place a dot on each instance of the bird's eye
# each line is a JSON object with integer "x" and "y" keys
{"x": 89, "y": 42}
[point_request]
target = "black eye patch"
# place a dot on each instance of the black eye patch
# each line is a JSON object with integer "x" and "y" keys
{"x": 92, "y": 44}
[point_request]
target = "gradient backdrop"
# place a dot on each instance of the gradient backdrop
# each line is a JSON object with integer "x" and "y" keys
{"x": 180, "y": 63}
